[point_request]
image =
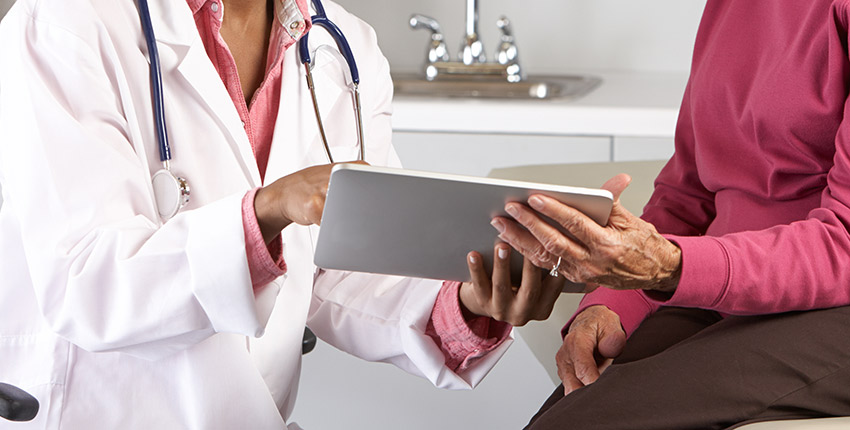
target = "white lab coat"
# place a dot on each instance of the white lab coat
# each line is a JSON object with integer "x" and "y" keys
{"x": 113, "y": 319}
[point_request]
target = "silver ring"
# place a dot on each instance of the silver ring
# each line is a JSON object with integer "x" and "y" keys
{"x": 554, "y": 271}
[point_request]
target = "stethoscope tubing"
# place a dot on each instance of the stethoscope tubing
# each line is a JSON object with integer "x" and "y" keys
{"x": 171, "y": 191}
{"x": 321, "y": 19}
{"x": 156, "y": 84}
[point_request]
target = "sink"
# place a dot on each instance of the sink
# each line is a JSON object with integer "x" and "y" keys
{"x": 531, "y": 88}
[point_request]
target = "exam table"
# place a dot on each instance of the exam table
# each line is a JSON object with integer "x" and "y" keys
{"x": 543, "y": 338}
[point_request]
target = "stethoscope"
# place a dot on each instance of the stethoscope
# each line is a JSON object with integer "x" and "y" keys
{"x": 171, "y": 192}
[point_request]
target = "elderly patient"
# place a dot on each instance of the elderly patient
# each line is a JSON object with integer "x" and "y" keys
{"x": 727, "y": 301}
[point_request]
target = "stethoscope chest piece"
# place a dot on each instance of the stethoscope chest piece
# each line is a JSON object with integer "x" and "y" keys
{"x": 171, "y": 193}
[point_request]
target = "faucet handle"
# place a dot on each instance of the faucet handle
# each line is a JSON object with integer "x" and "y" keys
{"x": 504, "y": 24}
{"x": 437, "y": 50}
{"x": 507, "y": 52}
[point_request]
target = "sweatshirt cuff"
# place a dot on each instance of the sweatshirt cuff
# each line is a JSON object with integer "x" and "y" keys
{"x": 705, "y": 274}
{"x": 631, "y": 306}
{"x": 461, "y": 341}
{"x": 265, "y": 262}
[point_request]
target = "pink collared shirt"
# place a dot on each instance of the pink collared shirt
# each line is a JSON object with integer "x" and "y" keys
{"x": 462, "y": 342}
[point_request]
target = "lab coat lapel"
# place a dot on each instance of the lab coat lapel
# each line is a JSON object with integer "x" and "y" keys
{"x": 180, "y": 45}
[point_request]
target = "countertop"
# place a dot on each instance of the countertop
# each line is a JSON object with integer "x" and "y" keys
{"x": 624, "y": 104}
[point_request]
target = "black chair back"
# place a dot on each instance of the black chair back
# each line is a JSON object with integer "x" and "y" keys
{"x": 16, "y": 404}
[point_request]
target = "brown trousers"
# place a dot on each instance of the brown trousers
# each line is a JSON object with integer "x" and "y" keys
{"x": 691, "y": 369}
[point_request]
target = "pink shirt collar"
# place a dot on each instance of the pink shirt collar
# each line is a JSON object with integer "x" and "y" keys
{"x": 292, "y": 15}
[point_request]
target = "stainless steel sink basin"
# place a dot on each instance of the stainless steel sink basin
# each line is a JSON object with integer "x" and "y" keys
{"x": 532, "y": 88}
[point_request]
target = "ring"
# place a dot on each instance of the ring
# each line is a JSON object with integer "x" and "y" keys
{"x": 554, "y": 271}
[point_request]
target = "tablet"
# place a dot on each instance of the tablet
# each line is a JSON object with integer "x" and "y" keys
{"x": 423, "y": 224}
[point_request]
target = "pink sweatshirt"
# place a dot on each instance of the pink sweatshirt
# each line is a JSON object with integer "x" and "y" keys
{"x": 757, "y": 192}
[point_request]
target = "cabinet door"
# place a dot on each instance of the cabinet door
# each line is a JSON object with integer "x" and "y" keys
{"x": 476, "y": 154}
{"x": 642, "y": 148}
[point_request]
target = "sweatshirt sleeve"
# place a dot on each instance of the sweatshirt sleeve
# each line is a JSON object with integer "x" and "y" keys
{"x": 680, "y": 205}
{"x": 799, "y": 266}
{"x": 791, "y": 266}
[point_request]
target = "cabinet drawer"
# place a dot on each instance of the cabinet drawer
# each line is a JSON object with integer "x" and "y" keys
{"x": 476, "y": 154}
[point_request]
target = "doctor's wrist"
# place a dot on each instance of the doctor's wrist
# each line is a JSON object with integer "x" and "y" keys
{"x": 469, "y": 306}
{"x": 269, "y": 216}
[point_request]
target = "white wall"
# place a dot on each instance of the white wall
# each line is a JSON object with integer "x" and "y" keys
{"x": 552, "y": 35}
{"x": 4, "y": 6}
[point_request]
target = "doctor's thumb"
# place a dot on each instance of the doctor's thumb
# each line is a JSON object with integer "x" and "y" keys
{"x": 315, "y": 207}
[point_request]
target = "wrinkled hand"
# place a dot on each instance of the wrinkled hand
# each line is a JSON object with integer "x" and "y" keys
{"x": 594, "y": 339}
{"x": 495, "y": 297}
{"x": 627, "y": 253}
{"x": 296, "y": 198}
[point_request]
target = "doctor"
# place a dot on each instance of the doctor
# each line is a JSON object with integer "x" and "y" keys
{"x": 114, "y": 318}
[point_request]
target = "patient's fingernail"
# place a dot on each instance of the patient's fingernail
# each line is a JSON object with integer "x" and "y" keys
{"x": 472, "y": 259}
{"x": 498, "y": 225}
{"x": 535, "y": 202}
{"x": 503, "y": 253}
{"x": 511, "y": 209}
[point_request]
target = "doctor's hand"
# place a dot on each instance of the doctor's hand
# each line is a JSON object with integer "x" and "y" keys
{"x": 495, "y": 296}
{"x": 594, "y": 339}
{"x": 627, "y": 253}
{"x": 297, "y": 198}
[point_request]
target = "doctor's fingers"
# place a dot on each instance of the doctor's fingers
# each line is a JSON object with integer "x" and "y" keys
{"x": 503, "y": 292}
{"x": 552, "y": 288}
{"x": 491, "y": 295}
{"x": 524, "y": 242}
{"x": 538, "y": 292}
{"x": 300, "y": 196}
{"x": 482, "y": 286}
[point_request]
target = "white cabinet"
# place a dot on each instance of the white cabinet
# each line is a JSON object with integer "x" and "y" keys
{"x": 476, "y": 154}
{"x": 627, "y": 148}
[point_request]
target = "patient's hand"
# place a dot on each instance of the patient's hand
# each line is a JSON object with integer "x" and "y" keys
{"x": 595, "y": 337}
{"x": 627, "y": 253}
{"x": 497, "y": 298}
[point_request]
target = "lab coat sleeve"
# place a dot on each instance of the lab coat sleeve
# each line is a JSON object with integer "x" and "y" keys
{"x": 107, "y": 274}
{"x": 384, "y": 318}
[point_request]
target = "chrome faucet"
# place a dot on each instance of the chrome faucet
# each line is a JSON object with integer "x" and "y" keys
{"x": 437, "y": 50}
{"x": 472, "y": 63}
{"x": 472, "y": 50}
